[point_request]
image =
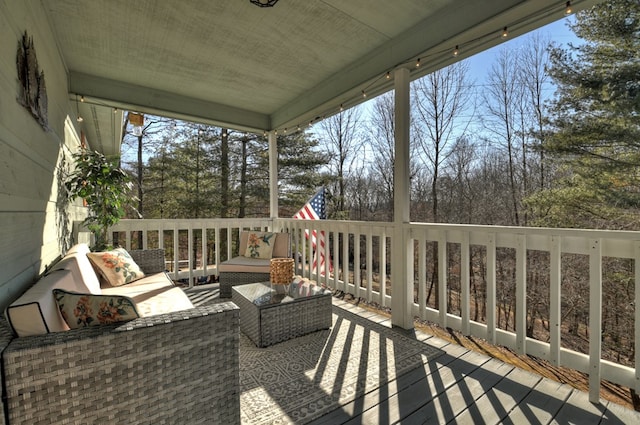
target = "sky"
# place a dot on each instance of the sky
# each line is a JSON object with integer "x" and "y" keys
{"x": 479, "y": 67}
{"x": 557, "y": 32}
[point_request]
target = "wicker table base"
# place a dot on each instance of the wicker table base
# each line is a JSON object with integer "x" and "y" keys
{"x": 268, "y": 318}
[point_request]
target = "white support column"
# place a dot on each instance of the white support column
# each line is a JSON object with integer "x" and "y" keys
{"x": 273, "y": 174}
{"x": 402, "y": 253}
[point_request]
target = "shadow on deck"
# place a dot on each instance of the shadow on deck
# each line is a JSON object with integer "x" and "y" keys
{"x": 362, "y": 371}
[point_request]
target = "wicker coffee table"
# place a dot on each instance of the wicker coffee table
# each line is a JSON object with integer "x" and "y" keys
{"x": 267, "y": 317}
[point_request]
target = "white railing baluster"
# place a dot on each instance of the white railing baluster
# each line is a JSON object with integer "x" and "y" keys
{"x": 491, "y": 288}
{"x": 176, "y": 252}
{"x": 465, "y": 283}
{"x": 204, "y": 260}
{"x": 383, "y": 268}
{"x": 595, "y": 318}
{"x": 442, "y": 277}
{"x": 190, "y": 257}
{"x": 521, "y": 294}
{"x": 369, "y": 264}
{"x": 230, "y": 242}
{"x": 357, "y": 280}
{"x": 345, "y": 261}
{"x": 422, "y": 273}
{"x": 335, "y": 260}
{"x": 555, "y": 321}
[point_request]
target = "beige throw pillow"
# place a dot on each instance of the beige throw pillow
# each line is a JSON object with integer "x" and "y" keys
{"x": 260, "y": 245}
{"x": 116, "y": 266}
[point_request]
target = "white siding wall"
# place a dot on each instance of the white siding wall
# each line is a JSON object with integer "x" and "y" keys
{"x": 34, "y": 219}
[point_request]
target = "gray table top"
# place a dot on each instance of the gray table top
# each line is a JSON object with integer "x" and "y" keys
{"x": 261, "y": 294}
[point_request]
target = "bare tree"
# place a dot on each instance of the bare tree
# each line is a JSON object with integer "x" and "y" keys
{"x": 382, "y": 150}
{"x": 382, "y": 145}
{"x": 343, "y": 141}
{"x": 444, "y": 109}
{"x": 502, "y": 97}
{"x": 534, "y": 78}
{"x": 460, "y": 168}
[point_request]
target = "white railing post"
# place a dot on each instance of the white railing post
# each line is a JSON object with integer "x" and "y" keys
{"x": 595, "y": 318}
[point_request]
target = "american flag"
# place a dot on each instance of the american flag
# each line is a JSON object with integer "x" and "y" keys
{"x": 315, "y": 209}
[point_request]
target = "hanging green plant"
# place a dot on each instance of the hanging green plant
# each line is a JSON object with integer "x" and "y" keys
{"x": 105, "y": 187}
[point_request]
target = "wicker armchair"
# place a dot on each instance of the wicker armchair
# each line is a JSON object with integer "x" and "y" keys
{"x": 241, "y": 270}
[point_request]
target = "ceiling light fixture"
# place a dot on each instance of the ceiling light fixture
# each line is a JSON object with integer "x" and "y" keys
{"x": 78, "y": 116}
{"x": 568, "y": 10}
{"x": 264, "y": 3}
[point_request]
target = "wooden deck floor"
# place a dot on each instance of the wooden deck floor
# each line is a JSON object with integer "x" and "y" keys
{"x": 466, "y": 387}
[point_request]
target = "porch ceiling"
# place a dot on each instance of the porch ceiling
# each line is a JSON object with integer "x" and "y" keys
{"x": 233, "y": 64}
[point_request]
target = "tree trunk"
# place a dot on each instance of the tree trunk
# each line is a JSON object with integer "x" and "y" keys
{"x": 140, "y": 191}
{"x": 224, "y": 173}
{"x": 243, "y": 179}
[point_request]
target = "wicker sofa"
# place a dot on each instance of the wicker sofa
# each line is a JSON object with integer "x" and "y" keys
{"x": 176, "y": 367}
{"x": 241, "y": 269}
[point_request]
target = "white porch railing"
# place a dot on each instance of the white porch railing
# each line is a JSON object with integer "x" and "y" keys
{"x": 361, "y": 261}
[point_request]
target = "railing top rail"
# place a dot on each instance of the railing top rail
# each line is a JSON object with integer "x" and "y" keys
{"x": 533, "y": 231}
{"x": 543, "y": 231}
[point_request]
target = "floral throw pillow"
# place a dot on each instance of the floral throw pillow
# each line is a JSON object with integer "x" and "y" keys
{"x": 260, "y": 245}
{"x": 116, "y": 266}
{"x": 82, "y": 310}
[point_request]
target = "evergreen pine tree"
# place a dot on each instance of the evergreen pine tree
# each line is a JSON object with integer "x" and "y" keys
{"x": 595, "y": 132}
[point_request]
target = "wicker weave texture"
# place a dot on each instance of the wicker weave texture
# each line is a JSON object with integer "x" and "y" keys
{"x": 178, "y": 368}
{"x": 149, "y": 260}
{"x": 6, "y": 335}
{"x": 231, "y": 279}
{"x": 268, "y": 325}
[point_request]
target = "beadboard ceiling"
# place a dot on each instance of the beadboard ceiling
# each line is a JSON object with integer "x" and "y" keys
{"x": 231, "y": 63}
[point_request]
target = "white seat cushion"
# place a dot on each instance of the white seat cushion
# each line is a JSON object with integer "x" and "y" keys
{"x": 245, "y": 265}
{"x": 153, "y": 294}
{"x": 36, "y": 311}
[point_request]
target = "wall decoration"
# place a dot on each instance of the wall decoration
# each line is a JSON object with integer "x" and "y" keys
{"x": 33, "y": 92}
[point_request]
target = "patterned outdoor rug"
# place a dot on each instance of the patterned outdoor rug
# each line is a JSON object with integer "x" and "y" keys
{"x": 304, "y": 378}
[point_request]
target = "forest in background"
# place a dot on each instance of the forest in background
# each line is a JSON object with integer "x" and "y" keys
{"x": 504, "y": 152}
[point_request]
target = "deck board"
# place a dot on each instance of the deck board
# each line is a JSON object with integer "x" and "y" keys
{"x": 541, "y": 404}
{"x": 463, "y": 386}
